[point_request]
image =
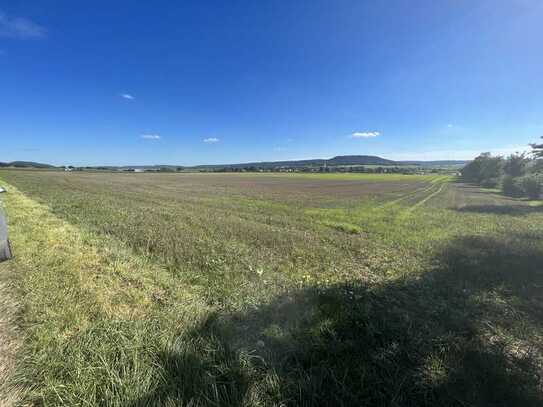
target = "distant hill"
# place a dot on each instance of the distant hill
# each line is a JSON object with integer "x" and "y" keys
{"x": 338, "y": 160}
{"x": 26, "y": 164}
{"x": 359, "y": 160}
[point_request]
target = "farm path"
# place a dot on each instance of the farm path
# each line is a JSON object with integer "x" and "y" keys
{"x": 436, "y": 189}
{"x": 422, "y": 194}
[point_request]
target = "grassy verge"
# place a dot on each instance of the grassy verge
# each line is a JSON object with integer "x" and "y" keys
{"x": 96, "y": 316}
{"x": 10, "y": 339}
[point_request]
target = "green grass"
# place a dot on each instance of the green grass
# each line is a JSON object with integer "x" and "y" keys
{"x": 197, "y": 290}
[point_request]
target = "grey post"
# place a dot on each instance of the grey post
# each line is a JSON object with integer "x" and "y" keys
{"x": 5, "y": 249}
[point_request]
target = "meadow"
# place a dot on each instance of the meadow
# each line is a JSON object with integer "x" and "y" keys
{"x": 273, "y": 290}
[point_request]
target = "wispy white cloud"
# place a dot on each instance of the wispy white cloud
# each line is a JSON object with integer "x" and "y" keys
{"x": 365, "y": 134}
{"x": 450, "y": 125}
{"x": 127, "y": 96}
{"x": 150, "y": 136}
{"x": 211, "y": 140}
{"x": 20, "y": 28}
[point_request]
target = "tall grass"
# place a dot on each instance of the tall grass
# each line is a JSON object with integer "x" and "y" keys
{"x": 10, "y": 340}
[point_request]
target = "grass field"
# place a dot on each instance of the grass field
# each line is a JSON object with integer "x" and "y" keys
{"x": 270, "y": 290}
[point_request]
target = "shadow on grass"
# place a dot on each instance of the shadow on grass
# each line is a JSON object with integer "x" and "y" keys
{"x": 200, "y": 369}
{"x": 514, "y": 210}
{"x": 461, "y": 334}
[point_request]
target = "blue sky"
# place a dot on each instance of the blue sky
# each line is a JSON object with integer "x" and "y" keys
{"x": 233, "y": 81}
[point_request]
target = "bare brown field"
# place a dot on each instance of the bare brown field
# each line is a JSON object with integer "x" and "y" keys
{"x": 310, "y": 189}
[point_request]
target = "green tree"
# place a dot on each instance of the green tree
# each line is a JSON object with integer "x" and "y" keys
{"x": 515, "y": 165}
{"x": 484, "y": 169}
{"x": 537, "y": 152}
{"x": 537, "y": 149}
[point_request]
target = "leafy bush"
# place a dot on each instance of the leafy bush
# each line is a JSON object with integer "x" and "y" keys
{"x": 492, "y": 167}
{"x": 483, "y": 168}
{"x": 490, "y": 183}
{"x": 515, "y": 165}
{"x": 511, "y": 186}
{"x": 521, "y": 174}
{"x": 531, "y": 185}
{"x": 536, "y": 166}
{"x": 471, "y": 172}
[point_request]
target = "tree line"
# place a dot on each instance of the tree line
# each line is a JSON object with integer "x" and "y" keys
{"x": 518, "y": 175}
{"x": 406, "y": 170}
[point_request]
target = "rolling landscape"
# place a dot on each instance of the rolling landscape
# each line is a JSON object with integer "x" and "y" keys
{"x": 271, "y": 203}
{"x": 339, "y": 163}
{"x": 274, "y": 289}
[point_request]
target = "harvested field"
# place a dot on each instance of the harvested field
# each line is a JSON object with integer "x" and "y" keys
{"x": 291, "y": 188}
{"x": 275, "y": 289}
